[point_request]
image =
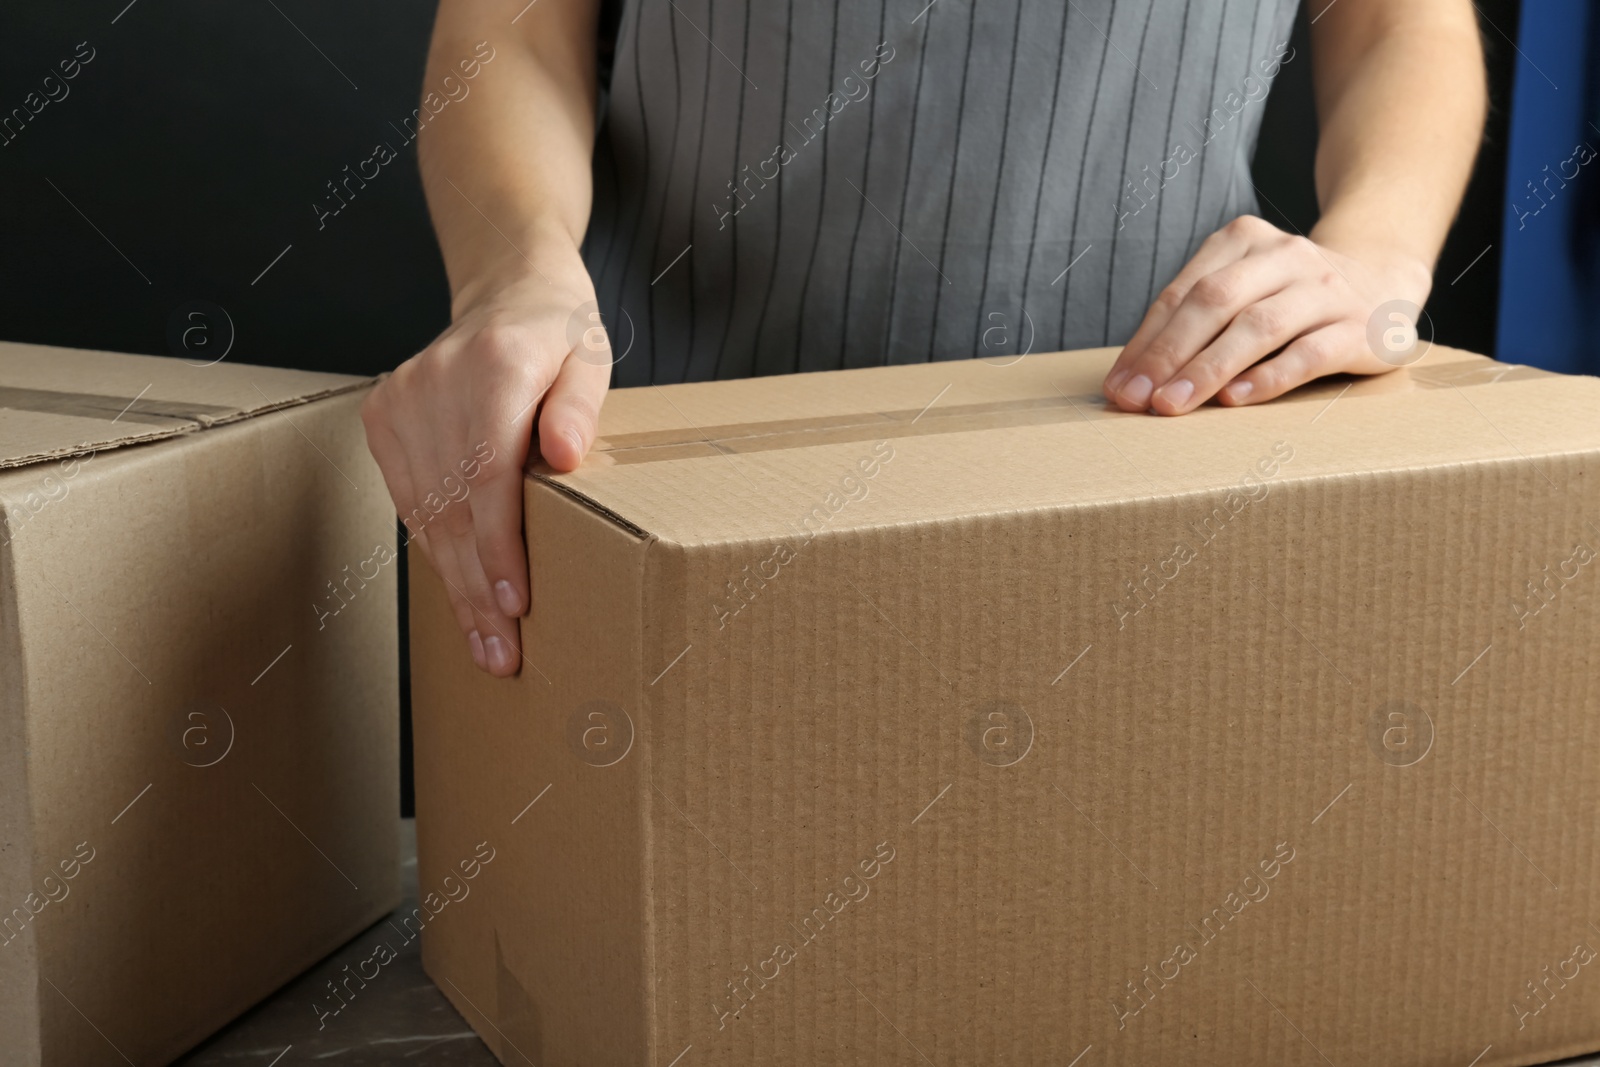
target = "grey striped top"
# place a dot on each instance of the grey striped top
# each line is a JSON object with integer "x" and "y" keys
{"x": 796, "y": 185}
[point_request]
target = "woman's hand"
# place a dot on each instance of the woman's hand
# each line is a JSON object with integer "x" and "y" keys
{"x": 452, "y": 428}
{"x": 1251, "y": 291}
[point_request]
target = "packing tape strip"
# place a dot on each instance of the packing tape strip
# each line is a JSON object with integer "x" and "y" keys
{"x": 655, "y": 446}
{"x": 733, "y": 438}
{"x": 109, "y": 408}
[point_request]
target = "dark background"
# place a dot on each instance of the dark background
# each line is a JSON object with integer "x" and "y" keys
{"x": 188, "y": 154}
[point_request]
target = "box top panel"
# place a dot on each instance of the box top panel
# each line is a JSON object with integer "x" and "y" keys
{"x": 60, "y": 401}
{"x": 751, "y": 459}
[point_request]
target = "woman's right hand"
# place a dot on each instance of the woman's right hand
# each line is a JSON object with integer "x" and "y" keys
{"x": 452, "y": 429}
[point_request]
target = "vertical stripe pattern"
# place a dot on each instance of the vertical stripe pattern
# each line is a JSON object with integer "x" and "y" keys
{"x": 795, "y": 186}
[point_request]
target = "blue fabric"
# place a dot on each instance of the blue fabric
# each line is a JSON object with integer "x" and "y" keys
{"x": 1550, "y": 271}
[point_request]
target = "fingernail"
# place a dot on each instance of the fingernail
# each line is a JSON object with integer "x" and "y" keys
{"x": 507, "y": 598}
{"x": 1137, "y": 391}
{"x": 1177, "y": 393}
{"x": 1239, "y": 390}
{"x": 476, "y": 644}
{"x": 1114, "y": 382}
{"x": 499, "y": 654}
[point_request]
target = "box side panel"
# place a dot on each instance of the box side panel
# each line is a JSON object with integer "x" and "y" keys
{"x": 214, "y": 735}
{"x": 19, "y": 978}
{"x": 1301, "y": 770}
{"x": 547, "y": 956}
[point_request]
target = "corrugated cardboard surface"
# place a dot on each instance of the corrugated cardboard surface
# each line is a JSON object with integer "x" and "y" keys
{"x": 1259, "y": 736}
{"x": 569, "y": 835}
{"x": 177, "y": 706}
{"x": 62, "y": 400}
{"x": 19, "y": 993}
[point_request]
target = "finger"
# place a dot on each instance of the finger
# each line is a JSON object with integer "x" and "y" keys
{"x": 397, "y": 465}
{"x": 500, "y": 636}
{"x": 1256, "y": 332}
{"x": 1329, "y": 350}
{"x": 1227, "y": 245}
{"x": 417, "y": 535}
{"x": 570, "y": 417}
{"x": 453, "y": 533}
{"x": 1219, "y": 250}
{"x": 1211, "y": 304}
{"x": 492, "y": 632}
{"x": 392, "y": 464}
{"x": 430, "y": 520}
{"x": 442, "y": 553}
{"x": 502, "y": 432}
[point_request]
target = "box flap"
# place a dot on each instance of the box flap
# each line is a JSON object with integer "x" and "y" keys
{"x": 58, "y": 401}
{"x": 733, "y": 460}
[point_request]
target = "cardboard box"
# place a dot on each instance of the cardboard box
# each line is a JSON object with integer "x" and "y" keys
{"x": 940, "y": 715}
{"x": 198, "y": 758}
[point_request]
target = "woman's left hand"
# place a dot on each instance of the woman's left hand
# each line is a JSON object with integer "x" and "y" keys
{"x": 1253, "y": 290}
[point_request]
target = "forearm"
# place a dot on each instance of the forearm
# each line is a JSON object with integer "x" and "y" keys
{"x": 1401, "y": 99}
{"x": 507, "y": 172}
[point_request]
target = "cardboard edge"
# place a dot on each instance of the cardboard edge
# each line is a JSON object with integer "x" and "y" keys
{"x": 501, "y": 977}
{"x": 648, "y": 565}
{"x": 1131, "y": 499}
{"x": 19, "y": 960}
{"x": 299, "y": 400}
{"x": 198, "y": 424}
{"x": 1554, "y": 1055}
{"x": 651, "y": 551}
{"x": 542, "y": 478}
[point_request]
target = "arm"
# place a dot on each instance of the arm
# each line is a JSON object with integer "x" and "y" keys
{"x": 1401, "y": 100}
{"x": 1389, "y": 176}
{"x": 506, "y": 169}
